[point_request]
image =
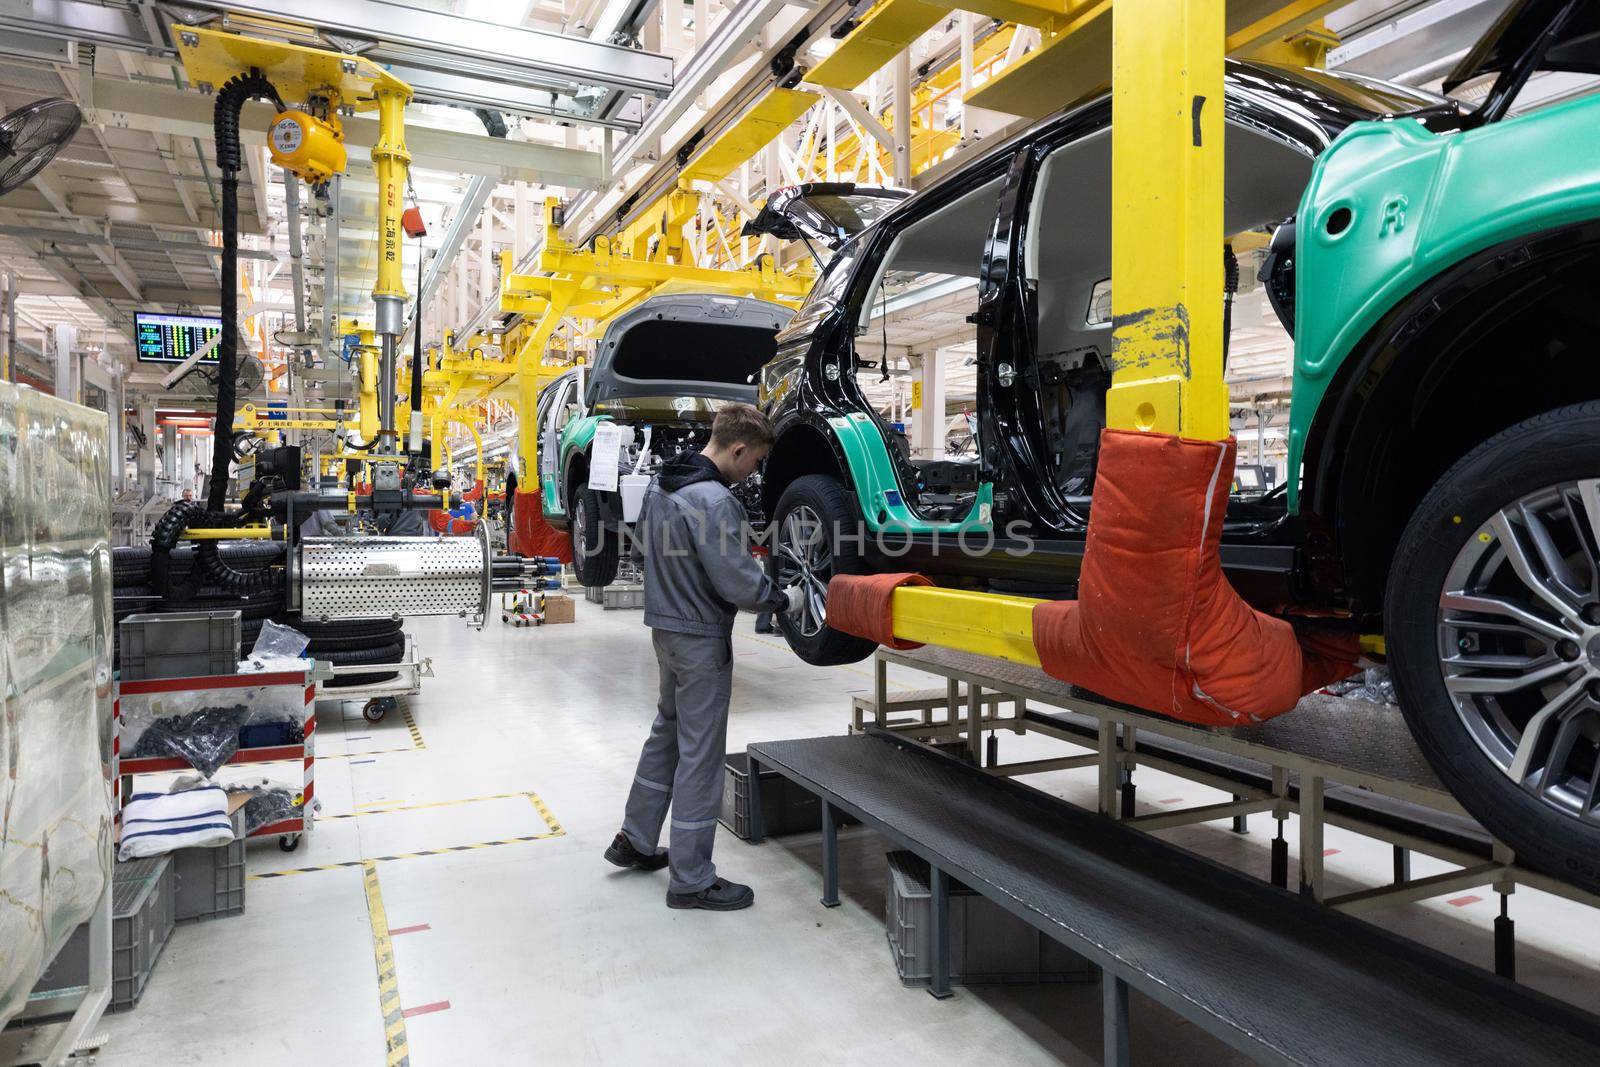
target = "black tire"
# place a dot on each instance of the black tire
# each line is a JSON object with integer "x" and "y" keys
{"x": 351, "y": 644}
{"x": 390, "y": 653}
{"x": 826, "y": 498}
{"x": 1453, "y": 520}
{"x": 595, "y": 549}
{"x": 342, "y": 629}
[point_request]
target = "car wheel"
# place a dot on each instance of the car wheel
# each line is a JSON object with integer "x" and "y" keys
{"x": 805, "y": 547}
{"x": 1492, "y": 621}
{"x": 594, "y": 551}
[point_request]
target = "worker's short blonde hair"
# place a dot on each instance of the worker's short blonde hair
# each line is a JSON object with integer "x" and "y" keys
{"x": 741, "y": 424}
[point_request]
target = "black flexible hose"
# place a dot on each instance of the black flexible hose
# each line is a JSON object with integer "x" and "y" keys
{"x": 225, "y": 125}
{"x": 164, "y": 538}
{"x": 1230, "y": 286}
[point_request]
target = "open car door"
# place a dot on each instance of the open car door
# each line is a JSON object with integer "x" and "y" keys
{"x": 1530, "y": 36}
{"x": 827, "y": 213}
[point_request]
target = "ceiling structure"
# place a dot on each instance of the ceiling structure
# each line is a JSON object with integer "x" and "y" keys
{"x": 602, "y": 103}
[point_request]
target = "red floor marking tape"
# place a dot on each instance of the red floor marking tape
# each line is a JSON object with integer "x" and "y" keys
{"x": 427, "y": 1009}
{"x": 1330, "y": 852}
{"x": 1171, "y": 800}
{"x": 396, "y": 932}
{"x": 1462, "y": 902}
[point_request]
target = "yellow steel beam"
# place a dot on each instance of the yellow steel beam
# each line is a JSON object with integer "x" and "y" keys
{"x": 771, "y": 114}
{"x": 987, "y": 624}
{"x": 1166, "y": 219}
{"x": 1022, "y": 12}
{"x": 1074, "y": 58}
{"x": 212, "y": 57}
{"x": 882, "y": 34}
{"x": 1280, "y": 35}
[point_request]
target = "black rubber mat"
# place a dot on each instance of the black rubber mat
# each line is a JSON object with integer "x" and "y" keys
{"x": 1279, "y": 977}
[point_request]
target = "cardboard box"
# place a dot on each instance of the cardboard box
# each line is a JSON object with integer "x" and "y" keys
{"x": 559, "y": 609}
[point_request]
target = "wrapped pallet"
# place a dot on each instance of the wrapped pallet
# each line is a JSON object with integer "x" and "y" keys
{"x": 56, "y": 689}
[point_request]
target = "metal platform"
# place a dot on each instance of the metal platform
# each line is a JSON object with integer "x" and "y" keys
{"x": 1274, "y": 975}
{"x": 1333, "y": 760}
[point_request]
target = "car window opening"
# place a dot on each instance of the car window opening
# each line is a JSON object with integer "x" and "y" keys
{"x": 1067, "y": 267}
{"x": 913, "y": 329}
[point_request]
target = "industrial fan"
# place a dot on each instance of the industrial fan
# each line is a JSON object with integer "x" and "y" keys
{"x": 31, "y": 136}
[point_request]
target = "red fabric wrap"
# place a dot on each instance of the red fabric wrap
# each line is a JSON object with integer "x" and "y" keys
{"x": 532, "y": 535}
{"x": 861, "y": 604}
{"x": 1156, "y": 623}
{"x": 450, "y": 525}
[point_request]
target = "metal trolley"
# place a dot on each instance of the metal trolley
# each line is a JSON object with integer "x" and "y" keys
{"x": 379, "y": 698}
{"x": 301, "y": 684}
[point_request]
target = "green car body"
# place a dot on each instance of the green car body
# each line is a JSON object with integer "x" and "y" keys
{"x": 1418, "y": 203}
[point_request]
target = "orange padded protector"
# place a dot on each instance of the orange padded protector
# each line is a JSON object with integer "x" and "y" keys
{"x": 860, "y": 604}
{"x": 1156, "y": 623}
{"x": 532, "y": 535}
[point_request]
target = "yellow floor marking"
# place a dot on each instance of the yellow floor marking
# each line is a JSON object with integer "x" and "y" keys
{"x": 555, "y": 830}
{"x": 419, "y": 807}
{"x": 394, "y": 1021}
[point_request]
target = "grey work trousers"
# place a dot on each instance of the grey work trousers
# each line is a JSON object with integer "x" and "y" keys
{"x": 683, "y": 758}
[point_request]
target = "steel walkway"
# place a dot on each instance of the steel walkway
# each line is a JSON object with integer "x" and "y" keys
{"x": 1272, "y": 974}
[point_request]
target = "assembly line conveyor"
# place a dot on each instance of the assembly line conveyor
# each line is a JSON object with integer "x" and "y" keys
{"x": 1275, "y": 975}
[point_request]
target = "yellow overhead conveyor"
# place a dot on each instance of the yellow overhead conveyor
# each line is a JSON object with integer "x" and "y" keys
{"x": 1074, "y": 58}
{"x": 882, "y": 34}
{"x": 754, "y": 130}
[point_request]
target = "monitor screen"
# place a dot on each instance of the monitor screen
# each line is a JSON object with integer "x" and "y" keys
{"x": 174, "y": 338}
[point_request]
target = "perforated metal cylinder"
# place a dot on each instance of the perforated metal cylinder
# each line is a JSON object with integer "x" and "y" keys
{"x": 385, "y": 577}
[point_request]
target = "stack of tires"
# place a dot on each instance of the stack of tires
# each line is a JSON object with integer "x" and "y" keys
{"x": 341, "y": 642}
{"x": 344, "y": 642}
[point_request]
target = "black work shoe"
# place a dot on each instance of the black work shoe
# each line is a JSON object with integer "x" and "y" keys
{"x": 623, "y": 854}
{"x": 721, "y": 895}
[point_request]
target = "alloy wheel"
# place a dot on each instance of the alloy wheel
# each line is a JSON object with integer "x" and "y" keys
{"x": 1519, "y": 643}
{"x": 805, "y": 555}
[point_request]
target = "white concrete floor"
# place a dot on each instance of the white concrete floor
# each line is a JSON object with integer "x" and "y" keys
{"x": 537, "y": 951}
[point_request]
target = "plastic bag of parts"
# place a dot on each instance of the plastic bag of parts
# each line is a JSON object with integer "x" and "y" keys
{"x": 55, "y": 678}
{"x": 270, "y": 802}
{"x": 277, "y": 648}
{"x": 1372, "y": 684}
{"x": 202, "y": 727}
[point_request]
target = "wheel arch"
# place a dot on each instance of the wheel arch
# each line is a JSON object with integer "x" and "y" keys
{"x": 1498, "y": 338}
{"x": 802, "y": 448}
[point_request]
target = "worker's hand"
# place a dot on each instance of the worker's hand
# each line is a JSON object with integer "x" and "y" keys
{"x": 797, "y": 597}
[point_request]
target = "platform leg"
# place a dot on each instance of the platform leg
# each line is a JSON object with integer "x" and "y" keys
{"x": 1505, "y": 941}
{"x": 1280, "y": 859}
{"x": 1116, "y": 1052}
{"x": 952, "y": 709}
{"x": 1109, "y": 767}
{"x": 975, "y": 723}
{"x": 1311, "y": 836}
{"x": 758, "y": 830}
{"x": 939, "y": 885}
{"x": 1241, "y": 823}
{"x": 1402, "y": 864}
{"x": 830, "y": 858}
{"x": 880, "y": 690}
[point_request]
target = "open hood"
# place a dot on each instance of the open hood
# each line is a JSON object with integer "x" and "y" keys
{"x": 1529, "y": 36}
{"x": 686, "y": 345}
{"x": 829, "y": 213}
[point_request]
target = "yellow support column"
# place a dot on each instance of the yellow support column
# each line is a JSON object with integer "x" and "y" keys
{"x": 1166, "y": 218}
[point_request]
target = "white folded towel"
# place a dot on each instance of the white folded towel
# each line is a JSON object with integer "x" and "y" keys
{"x": 155, "y": 823}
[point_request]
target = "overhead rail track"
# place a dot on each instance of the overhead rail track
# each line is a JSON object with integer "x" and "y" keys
{"x": 448, "y": 58}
